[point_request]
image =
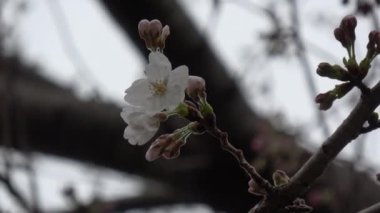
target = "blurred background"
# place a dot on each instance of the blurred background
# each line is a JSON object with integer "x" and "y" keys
{"x": 64, "y": 66}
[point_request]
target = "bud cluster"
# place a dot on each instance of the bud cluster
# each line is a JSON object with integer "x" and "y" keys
{"x": 154, "y": 34}
{"x": 345, "y": 33}
{"x": 353, "y": 73}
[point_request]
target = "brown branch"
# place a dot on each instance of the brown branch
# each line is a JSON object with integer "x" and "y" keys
{"x": 318, "y": 162}
{"x": 372, "y": 209}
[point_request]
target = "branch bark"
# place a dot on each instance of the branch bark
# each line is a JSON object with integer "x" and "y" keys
{"x": 318, "y": 162}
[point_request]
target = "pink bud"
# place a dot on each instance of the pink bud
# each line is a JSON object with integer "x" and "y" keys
{"x": 155, "y": 27}
{"x": 173, "y": 150}
{"x": 157, "y": 147}
{"x": 255, "y": 189}
{"x": 167, "y": 146}
{"x": 165, "y": 32}
{"x": 196, "y": 86}
{"x": 143, "y": 28}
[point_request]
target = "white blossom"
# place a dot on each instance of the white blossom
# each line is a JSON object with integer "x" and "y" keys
{"x": 142, "y": 126}
{"x": 162, "y": 89}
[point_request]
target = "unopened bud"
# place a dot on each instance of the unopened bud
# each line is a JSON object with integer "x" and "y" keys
{"x": 345, "y": 33}
{"x": 373, "y": 45}
{"x": 340, "y": 36}
{"x": 348, "y": 24}
{"x": 255, "y": 189}
{"x": 158, "y": 147}
{"x": 325, "y": 100}
{"x": 280, "y": 178}
{"x": 155, "y": 28}
{"x": 333, "y": 72}
{"x": 153, "y": 34}
{"x": 196, "y": 87}
{"x": 167, "y": 146}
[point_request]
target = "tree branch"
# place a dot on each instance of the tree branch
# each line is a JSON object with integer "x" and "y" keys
{"x": 318, "y": 162}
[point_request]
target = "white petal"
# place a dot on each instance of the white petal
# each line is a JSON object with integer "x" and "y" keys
{"x": 138, "y": 93}
{"x": 156, "y": 104}
{"x": 174, "y": 96}
{"x": 179, "y": 77}
{"x": 158, "y": 68}
{"x": 138, "y": 135}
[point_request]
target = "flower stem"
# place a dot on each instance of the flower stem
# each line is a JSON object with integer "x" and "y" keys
{"x": 239, "y": 156}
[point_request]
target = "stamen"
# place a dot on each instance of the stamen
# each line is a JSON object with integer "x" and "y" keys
{"x": 158, "y": 88}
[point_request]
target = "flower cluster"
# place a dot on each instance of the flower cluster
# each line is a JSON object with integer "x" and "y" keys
{"x": 151, "y": 100}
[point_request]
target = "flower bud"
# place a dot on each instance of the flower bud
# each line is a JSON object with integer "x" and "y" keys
{"x": 173, "y": 150}
{"x": 373, "y": 45}
{"x": 255, "y": 189}
{"x": 158, "y": 147}
{"x": 325, "y": 100}
{"x": 333, "y": 72}
{"x": 143, "y": 28}
{"x": 345, "y": 33}
{"x": 340, "y": 36}
{"x": 280, "y": 178}
{"x": 196, "y": 87}
{"x": 167, "y": 146}
{"x": 155, "y": 28}
{"x": 348, "y": 24}
{"x": 153, "y": 34}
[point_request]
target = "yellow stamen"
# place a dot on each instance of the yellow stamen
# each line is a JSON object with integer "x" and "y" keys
{"x": 158, "y": 88}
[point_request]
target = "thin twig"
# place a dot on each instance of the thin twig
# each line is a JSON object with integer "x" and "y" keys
{"x": 239, "y": 156}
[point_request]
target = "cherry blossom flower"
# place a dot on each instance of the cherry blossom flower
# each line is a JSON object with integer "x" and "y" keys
{"x": 142, "y": 126}
{"x": 162, "y": 89}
